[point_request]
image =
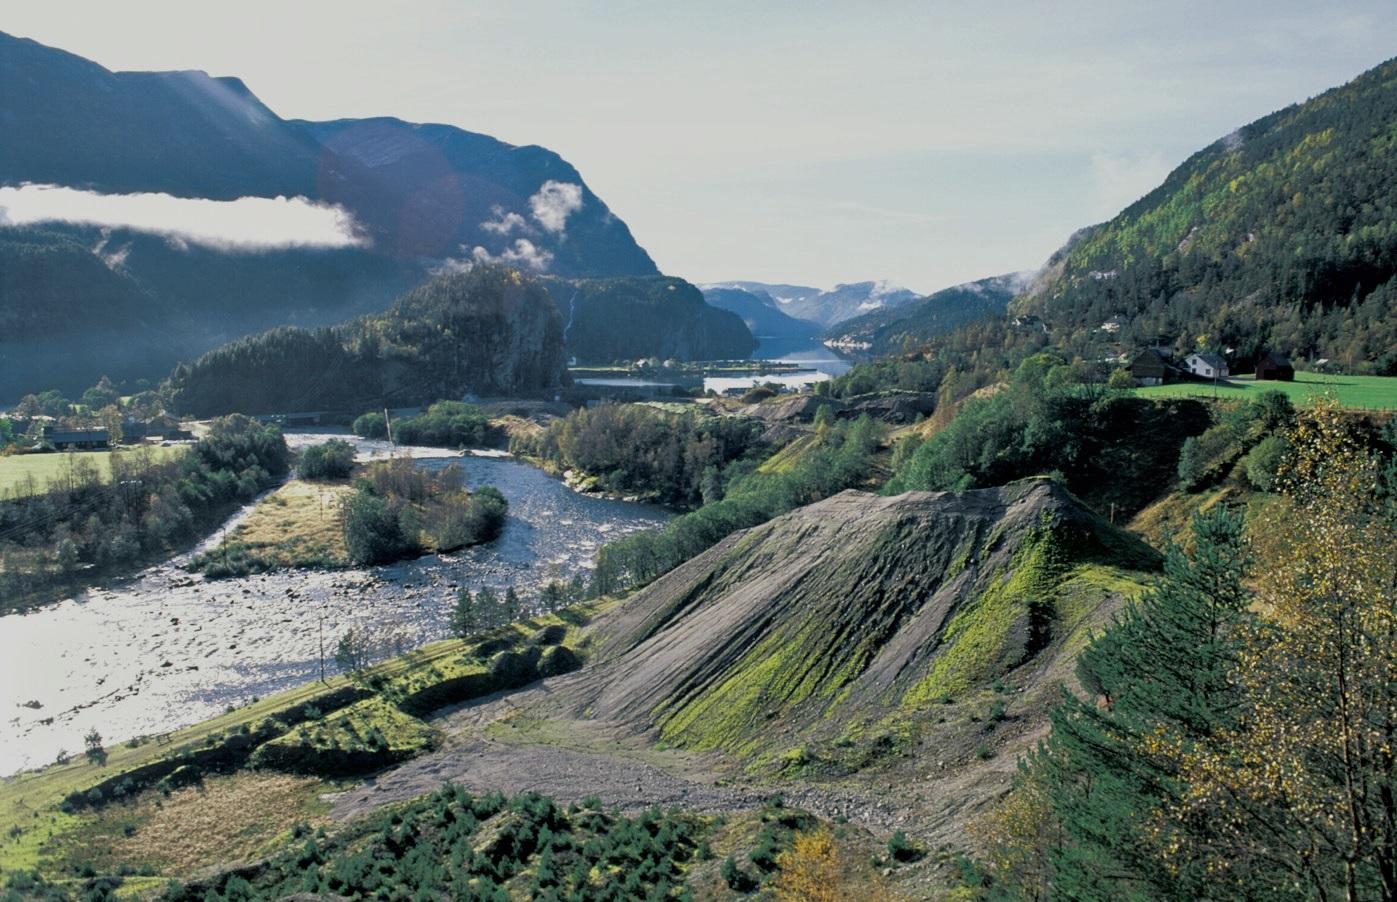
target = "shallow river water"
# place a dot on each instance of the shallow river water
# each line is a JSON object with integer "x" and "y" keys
{"x": 166, "y": 649}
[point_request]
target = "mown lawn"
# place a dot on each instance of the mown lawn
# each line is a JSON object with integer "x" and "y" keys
{"x": 1359, "y": 392}
{"x": 25, "y": 474}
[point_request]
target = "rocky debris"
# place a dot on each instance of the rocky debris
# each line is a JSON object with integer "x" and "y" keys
{"x": 896, "y": 407}
{"x": 790, "y": 408}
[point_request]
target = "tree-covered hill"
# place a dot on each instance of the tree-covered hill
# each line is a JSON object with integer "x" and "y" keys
{"x": 626, "y": 318}
{"x": 1283, "y": 234}
{"x": 80, "y": 302}
{"x": 490, "y": 330}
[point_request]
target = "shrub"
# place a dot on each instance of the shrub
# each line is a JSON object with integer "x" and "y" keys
{"x": 1264, "y": 460}
{"x": 735, "y": 877}
{"x": 94, "y": 751}
{"x": 370, "y": 425}
{"x": 372, "y": 533}
{"x": 903, "y": 849}
{"x": 331, "y": 460}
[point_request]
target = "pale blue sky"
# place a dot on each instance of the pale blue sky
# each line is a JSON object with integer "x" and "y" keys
{"x": 929, "y": 143}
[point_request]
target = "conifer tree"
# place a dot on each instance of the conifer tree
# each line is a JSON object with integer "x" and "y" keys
{"x": 465, "y": 620}
{"x": 1163, "y": 666}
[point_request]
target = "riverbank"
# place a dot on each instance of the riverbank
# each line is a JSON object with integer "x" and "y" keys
{"x": 323, "y": 729}
{"x": 165, "y": 648}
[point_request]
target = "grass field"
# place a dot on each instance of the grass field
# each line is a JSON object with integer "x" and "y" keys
{"x": 1358, "y": 392}
{"x": 25, "y": 474}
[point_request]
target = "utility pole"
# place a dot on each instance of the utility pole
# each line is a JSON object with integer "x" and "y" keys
{"x": 388, "y": 426}
{"x": 322, "y": 646}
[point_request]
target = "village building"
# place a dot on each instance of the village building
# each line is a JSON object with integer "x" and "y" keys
{"x": 1113, "y": 325}
{"x": 1206, "y": 366}
{"x": 1150, "y": 367}
{"x": 1274, "y": 367}
{"x": 75, "y": 439}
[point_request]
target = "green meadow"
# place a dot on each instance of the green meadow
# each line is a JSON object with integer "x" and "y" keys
{"x": 1360, "y": 392}
{"x": 24, "y": 474}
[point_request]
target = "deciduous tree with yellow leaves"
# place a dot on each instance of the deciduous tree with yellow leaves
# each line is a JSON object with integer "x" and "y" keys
{"x": 1301, "y": 794}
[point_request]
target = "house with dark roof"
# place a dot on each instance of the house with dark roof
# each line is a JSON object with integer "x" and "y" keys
{"x": 75, "y": 439}
{"x": 1274, "y": 367}
{"x": 1206, "y": 366}
{"x": 1150, "y": 367}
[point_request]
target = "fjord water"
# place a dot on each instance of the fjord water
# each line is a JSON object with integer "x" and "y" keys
{"x": 816, "y": 361}
{"x": 166, "y": 649}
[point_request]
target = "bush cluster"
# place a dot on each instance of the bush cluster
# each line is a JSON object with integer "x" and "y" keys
{"x": 634, "y": 449}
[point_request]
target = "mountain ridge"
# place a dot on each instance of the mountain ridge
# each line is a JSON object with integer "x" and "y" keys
{"x": 825, "y": 307}
{"x": 1281, "y": 235}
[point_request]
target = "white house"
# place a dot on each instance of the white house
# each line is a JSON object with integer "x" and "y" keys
{"x": 1206, "y": 366}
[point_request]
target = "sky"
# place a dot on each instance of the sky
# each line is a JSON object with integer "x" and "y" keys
{"x": 928, "y": 143}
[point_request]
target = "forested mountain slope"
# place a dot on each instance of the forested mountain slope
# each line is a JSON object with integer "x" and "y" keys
{"x": 419, "y": 190}
{"x": 626, "y": 318}
{"x": 489, "y": 331}
{"x": 77, "y": 303}
{"x": 1282, "y": 234}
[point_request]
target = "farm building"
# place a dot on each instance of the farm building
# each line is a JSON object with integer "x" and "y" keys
{"x": 1206, "y": 366}
{"x": 75, "y": 439}
{"x": 1275, "y": 367}
{"x": 1150, "y": 367}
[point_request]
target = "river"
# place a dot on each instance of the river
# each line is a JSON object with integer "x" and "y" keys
{"x": 165, "y": 649}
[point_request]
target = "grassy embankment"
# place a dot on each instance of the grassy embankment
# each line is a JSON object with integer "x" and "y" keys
{"x": 1355, "y": 392}
{"x": 254, "y": 771}
{"x": 298, "y": 525}
{"x": 25, "y": 474}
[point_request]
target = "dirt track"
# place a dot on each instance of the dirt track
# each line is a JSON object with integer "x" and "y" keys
{"x": 481, "y": 763}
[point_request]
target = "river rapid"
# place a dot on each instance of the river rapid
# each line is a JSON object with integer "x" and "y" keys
{"x": 166, "y": 648}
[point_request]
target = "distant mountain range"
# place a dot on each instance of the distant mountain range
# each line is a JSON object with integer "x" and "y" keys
{"x": 763, "y": 315}
{"x": 824, "y": 308}
{"x": 80, "y": 297}
{"x": 889, "y": 329}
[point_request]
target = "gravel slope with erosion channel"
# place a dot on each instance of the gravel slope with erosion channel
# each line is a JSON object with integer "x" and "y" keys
{"x": 166, "y": 649}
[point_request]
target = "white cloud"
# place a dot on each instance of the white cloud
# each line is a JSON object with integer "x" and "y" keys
{"x": 248, "y": 223}
{"x": 554, "y": 203}
{"x": 504, "y": 223}
{"x": 1118, "y": 180}
{"x": 524, "y": 254}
